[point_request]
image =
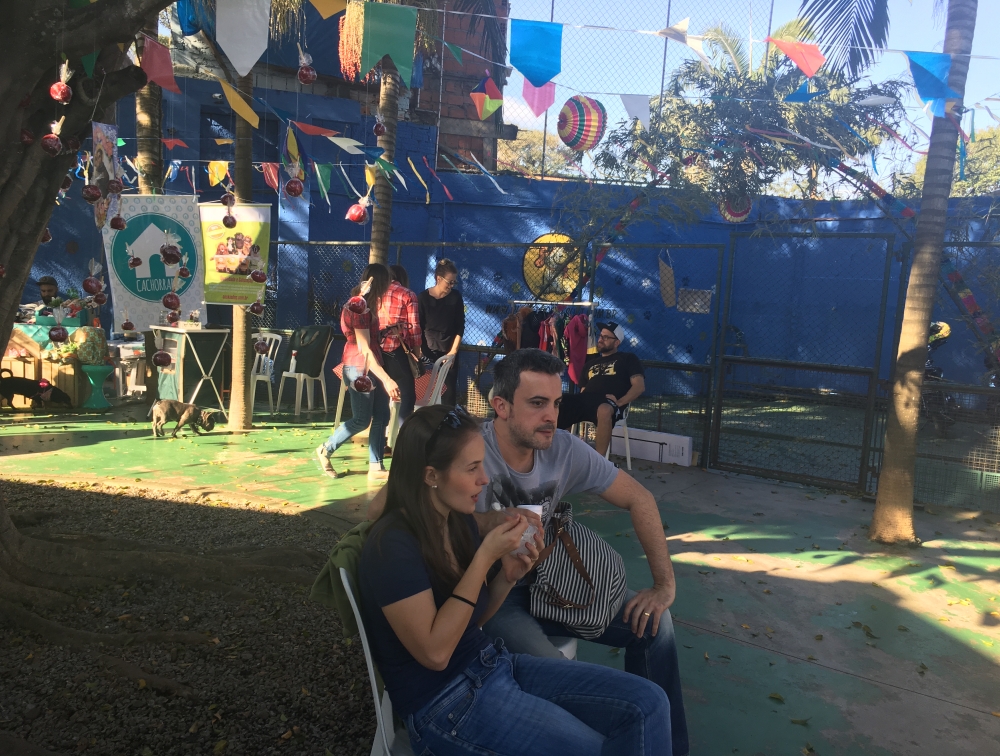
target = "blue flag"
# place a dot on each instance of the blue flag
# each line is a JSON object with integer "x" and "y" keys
{"x": 930, "y": 76}
{"x": 536, "y": 49}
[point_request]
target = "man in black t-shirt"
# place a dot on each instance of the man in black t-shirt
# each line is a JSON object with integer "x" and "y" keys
{"x": 611, "y": 380}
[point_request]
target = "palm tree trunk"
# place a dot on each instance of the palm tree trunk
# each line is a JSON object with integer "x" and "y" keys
{"x": 240, "y": 395}
{"x": 893, "y": 518}
{"x": 149, "y": 124}
{"x": 388, "y": 108}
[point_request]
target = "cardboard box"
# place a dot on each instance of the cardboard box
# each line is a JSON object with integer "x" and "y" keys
{"x": 652, "y": 446}
{"x": 22, "y": 358}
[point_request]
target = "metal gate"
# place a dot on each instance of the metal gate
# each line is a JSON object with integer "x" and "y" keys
{"x": 800, "y": 349}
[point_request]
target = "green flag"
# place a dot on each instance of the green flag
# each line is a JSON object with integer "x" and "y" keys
{"x": 323, "y": 179}
{"x": 455, "y": 50}
{"x": 389, "y": 30}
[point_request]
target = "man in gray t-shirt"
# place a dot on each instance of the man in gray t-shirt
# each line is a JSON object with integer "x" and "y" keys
{"x": 528, "y": 461}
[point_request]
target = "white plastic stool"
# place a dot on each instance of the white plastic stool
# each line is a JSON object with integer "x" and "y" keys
{"x": 302, "y": 380}
{"x": 431, "y": 396}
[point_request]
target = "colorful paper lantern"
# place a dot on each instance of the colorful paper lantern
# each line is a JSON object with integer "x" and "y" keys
{"x": 582, "y": 122}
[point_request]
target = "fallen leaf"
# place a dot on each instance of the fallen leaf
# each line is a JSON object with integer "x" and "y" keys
{"x": 943, "y": 619}
{"x": 142, "y": 683}
{"x": 706, "y": 656}
{"x": 811, "y": 658}
{"x": 777, "y": 697}
{"x": 857, "y": 624}
{"x": 287, "y": 735}
{"x": 819, "y": 637}
{"x": 803, "y": 722}
{"x": 767, "y": 590}
{"x": 745, "y": 627}
{"x": 903, "y": 629}
{"x": 304, "y": 691}
{"x": 923, "y": 666}
{"x": 686, "y": 646}
{"x": 768, "y": 630}
{"x": 995, "y": 713}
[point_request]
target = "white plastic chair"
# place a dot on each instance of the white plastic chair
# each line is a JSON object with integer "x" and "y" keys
{"x": 306, "y": 381}
{"x": 387, "y": 742}
{"x": 628, "y": 452}
{"x": 263, "y": 367}
{"x": 432, "y": 396}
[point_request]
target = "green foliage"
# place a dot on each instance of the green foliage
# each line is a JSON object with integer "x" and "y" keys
{"x": 853, "y": 32}
{"x": 524, "y": 155}
{"x": 982, "y": 169}
{"x": 701, "y": 134}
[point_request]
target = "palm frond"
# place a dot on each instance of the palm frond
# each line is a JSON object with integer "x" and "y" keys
{"x": 493, "y": 43}
{"x": 723, "y": 40}
{"x": 854, "y": 31}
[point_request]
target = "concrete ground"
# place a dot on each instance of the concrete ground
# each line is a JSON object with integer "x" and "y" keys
{"x": 795, "y": 634}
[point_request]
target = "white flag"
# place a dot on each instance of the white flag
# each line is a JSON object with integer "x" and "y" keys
{"x": 241, "y": 29}
{"x": 637, "y": 106}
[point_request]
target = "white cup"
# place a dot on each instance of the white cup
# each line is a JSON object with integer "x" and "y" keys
{"x": 529, "y": 534}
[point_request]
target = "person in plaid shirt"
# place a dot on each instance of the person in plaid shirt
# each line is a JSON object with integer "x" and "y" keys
{"x": 363, "y": 356}
{"x": 399, "y": 318}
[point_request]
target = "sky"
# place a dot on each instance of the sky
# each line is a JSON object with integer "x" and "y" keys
{"x": 606, "y": 63}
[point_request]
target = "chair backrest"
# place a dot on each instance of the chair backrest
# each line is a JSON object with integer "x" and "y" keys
{"x": 346, "y": 580}
{"x": 312, "y": 344}
{"x": 263, "y": 364}
{"x": 436, "y": 385}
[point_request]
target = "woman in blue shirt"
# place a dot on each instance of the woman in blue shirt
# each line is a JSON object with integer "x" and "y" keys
{"x": 426, "y": 594}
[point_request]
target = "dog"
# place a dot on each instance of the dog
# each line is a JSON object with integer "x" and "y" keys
{"x": 37, "y": 392}
{"x": 167, "y": 410}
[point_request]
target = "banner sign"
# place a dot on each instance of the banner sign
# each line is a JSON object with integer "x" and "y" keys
{"x": 105, "y": 163}
{"x": 231, "y": 254}
{"x": 151, "y": 222}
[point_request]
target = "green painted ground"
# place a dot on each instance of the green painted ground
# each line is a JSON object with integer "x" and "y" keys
{"x": 794, "y": 634}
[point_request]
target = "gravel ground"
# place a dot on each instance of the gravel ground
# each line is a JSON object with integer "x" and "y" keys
{"x": 280, "y": 679}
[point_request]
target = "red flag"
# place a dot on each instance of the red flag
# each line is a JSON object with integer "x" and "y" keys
{"x": 271, "y": 174}
{"x": 308, "y": 128}
{"x": 807, "y": 57}
{"x": 171, "y": 143}
{"x": 158, "y": 66}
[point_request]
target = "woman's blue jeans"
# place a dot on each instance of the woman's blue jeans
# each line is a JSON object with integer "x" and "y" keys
{"x": 370, "y": 408}
{"x": 515, "y": 705}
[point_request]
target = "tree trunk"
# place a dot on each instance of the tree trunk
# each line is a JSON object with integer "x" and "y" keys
{"x": 893, "y": 518}
{"x": 388, "y": 108}
{"x": 241, "y": 393}
{"x": 35, "y": 34}
{"x": 149, "y": 124}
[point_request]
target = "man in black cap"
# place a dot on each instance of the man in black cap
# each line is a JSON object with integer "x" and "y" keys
{"x": 611, "y": 380}
{"x": 48, "y": 288}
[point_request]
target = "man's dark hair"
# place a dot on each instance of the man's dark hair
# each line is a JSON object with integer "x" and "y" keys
{"x": 507, "y": 373}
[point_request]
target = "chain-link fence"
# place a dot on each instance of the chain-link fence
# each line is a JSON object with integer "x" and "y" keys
{"x": 604, "y": 55}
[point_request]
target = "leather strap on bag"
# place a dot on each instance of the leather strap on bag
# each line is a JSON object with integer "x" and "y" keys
{"x": 555, "y": 598}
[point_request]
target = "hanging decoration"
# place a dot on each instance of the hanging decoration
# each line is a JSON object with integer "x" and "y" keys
{"x": 485, "y": 172}
{"x": 58, "y": 334}
{"x": 539, "y": 99}
{"x": 807, "y": 57}
{"x": 637, "y": 106}
{"x": 291, "y": 156}
{"x": 61, "y": 91}
{"x": 930, "y": 73}
{"x": 378, "y": 129}
{"x": 241, "y": 30}
{"x": 455, "y": 50}
{"x": 323, "y": 180}
{"x": 736, "y": 210}
{"x": 802, "y": 94}
{"x": 51, "y": 143}
{"x": 582, "y": 122}
{"x": 239, "y": 105}
{"x": 171, "y": 143}
{"x": 487, "y": 97}
{"x": 358, "y": 212}
{"x": 389, "y": 30}
{"x": 420, "y": 179}
{"x": 306, "y": 74}
{"x": 427, "y": 165}
{"x": 270, "y": 171}
{"x": 294, "y": 187}
{"x": 964, "y": 294}
{"x": 105, "y": 141}
{"x": 350, "y": 146}
{"x": 877, "y": 100}
{"x": 329, "y": 8}
{"x": 158, "y": 66}
{"x": 679, "y": 33}
{"x": 310, "y": 130}
{"x": 536, "y": 49}
{"x": 217, "y": 171}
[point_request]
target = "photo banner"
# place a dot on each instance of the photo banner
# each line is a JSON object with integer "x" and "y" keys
{"x": 231, "y": 254}
{"x": 105, "y": 160}
{"x": 152, "y": 221}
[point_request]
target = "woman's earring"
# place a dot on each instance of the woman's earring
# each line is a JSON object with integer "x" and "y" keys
{"x": 433, "y": 486}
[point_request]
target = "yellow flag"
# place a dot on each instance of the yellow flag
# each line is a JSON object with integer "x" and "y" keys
{"x": 217, "y": 170}
{"x": 239, "y": 105}
{"x": 223, "y": 141}
{"x": 370, "y": 176}
{"x": 329, "y": 8}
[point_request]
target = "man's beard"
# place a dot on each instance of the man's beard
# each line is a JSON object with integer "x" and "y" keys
{"x": 529, "y": 440}
{"x": 606, "y": 350}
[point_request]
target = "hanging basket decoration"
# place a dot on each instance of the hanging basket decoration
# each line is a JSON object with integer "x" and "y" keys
{"x": 357, "y": 213}
{"x": 60, "y": 91}
{"x": 582, "y": 122}
{"x": 736, "y": 210}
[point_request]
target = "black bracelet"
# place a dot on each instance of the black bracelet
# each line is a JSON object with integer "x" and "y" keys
{"x": 470, "y": 603}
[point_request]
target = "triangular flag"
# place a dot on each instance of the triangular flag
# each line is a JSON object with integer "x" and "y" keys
{"x": 678, "y": 32}
{"x": 387, "y": 167}
{"x": 323, "y": 179}
{"x": 158, "y": 66}
{"x": 241, "y": 29}
{"x": 417, "y": 77}
{"x": 807, "y": 57}
{"x": 291, "y": 156}
{"x": 171, "y": 143}
{"x": 239, "y": 105}
{"x": 930, "y": 73}
{"x": 539, "y": 99}
{"x": 373, "y": 152}
{"x": 224, "y": 141}
{"x": 270, "y": 174}
{"x": 389, "y": 30}
{"x": 329, "y": 8}
{"x": 487, "y": 98}
{"x": 120, "y": 142}
{"x": 802, "y": 94}
{"x": 697, "y": 44}
{"x": 536, "y": 49}
{"x": 217, "y": 170}
{"x": 370, "y": 176}
{"x": 350, "y": 146}
{"x": 876, "y": 100}
{"x": 637, "y": 106}
{"x": 308, "y": 128}
{"x": 455, "y": 50}
{"x": 88, "y": 62}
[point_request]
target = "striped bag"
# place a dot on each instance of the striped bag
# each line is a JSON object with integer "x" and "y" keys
{"x": 580, "y": 578}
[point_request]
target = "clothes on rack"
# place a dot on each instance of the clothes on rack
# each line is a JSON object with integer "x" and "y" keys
{"x": 577, "y": 331}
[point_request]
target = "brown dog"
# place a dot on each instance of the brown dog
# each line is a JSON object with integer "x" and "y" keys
{"x": 167, "y": 410}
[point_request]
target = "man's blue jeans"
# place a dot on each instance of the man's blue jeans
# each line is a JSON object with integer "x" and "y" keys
{"x": 515, "y": 705}
{"x": 369, "y": 408}
{"x": 652, "y": 657}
